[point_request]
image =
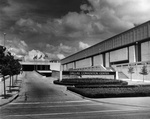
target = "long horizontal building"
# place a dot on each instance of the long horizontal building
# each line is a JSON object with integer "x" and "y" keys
{"x": 131, "y": 47}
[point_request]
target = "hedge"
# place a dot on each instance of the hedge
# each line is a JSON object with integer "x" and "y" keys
{"x": 124, "y": 91}
{"x": 62, "y": 83}
{"x": 109, "y": 86}
{"x": 90, "y": 81}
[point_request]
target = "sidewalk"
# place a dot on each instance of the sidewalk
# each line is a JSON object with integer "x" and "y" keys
{"x": 137, "y": 82}
{"x": 10, "y": 96}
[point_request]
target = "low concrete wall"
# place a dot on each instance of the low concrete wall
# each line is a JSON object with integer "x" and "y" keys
{"x": 55, "y": 74}
{"x": 136, "y": 68}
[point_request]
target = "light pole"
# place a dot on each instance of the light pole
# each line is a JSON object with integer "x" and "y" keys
{"x": 4, "y": 39}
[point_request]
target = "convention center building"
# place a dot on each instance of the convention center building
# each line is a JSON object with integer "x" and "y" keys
{"x": 125, "y": 51}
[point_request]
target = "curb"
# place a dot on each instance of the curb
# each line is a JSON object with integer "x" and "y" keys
{"x": 12, "y": 99}
{"x": 15, "y": 96}
{"x": 83, "y": 97}
{"x": 104, "y": 102}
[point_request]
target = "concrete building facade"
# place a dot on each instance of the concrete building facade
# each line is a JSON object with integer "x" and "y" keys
{"x": 130, "y": 48}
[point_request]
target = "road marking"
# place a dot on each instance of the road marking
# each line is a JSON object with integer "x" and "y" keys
{"x": 122, "y": 104}
{"x": 70, "y": 113}
{"x": 130, "y": 114}
{"x": 32, "y": 103}
{"x": 78, "y": 101}
{"x": 56, "y": 106}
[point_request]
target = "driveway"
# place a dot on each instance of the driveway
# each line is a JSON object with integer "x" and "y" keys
{"x": 39, "y": 98}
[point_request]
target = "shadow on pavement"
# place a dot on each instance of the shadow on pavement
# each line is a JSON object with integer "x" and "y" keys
{"x": 6, "y": 96}
{"x": 13, "y": 86}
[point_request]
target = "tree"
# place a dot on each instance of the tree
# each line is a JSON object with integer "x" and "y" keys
{"x": 144, "y": 71}
{"x": 4, "y": 71}
{"x": 9, "y": 60}
{"x": 131, "y": 71}
{"x": 16, "y": 68}
{"x": 8, "y": 66}
{"x": 3, "y": 68}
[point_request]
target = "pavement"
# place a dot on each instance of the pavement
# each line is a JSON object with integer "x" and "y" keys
{"x": 14, "y": 93}
{"x": 48, "y": 101}
{"x": 16, "y": 89}
{"x": 137, "y": 82}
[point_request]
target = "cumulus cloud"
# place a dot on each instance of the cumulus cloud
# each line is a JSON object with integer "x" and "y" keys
{"x": 64, "y": 48}
{"x": 60, "y": 56}
{"x": 128, "y": 11}
{"x": 73, "y": 26}
{"x": 83, "y": 45}
{"x": 35, "y": 55}
{"x": 16, "y": 46}
{"x": 86, "y": 7}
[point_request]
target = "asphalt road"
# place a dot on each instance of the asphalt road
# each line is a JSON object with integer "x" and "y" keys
{"x": 41, "y": 99}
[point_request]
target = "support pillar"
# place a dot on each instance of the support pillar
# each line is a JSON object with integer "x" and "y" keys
{"x": 138, "y": 51}
{"x": 60, "y": 78}
{"x": 116, "y": 76}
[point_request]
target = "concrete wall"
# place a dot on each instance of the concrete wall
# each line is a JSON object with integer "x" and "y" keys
{"x": 132, "y": 57}
{"x": 145, "y": 51}
{"x": 97, "y": 60}
{"x": 55, "y": 66}
{"x": 107, "y": 62}
{"x": 137, "y": 69}
{"x": 119, "y": 55}
{"x": 84, "y": 63}
{"x": 55, "y": 74}
{"x": 70, "y": 65}
{"x": 65, "y": 67}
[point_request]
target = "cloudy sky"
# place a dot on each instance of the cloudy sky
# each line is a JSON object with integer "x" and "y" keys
{"x": 59, "y": 28}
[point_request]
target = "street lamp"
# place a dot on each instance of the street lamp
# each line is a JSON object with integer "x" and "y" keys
{"x": 4, "y": 39}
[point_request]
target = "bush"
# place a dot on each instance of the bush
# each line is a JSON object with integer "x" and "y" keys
{"x": 62, "y": 83}
{"x": 90, "y": 81}
{"x": 104, "y": 86}
{"x": 116, "y": 91}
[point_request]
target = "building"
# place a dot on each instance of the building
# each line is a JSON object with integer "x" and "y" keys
{"x": 130, "y": 48}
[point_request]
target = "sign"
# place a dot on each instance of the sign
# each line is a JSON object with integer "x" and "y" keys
{"x": 88, "y": 73}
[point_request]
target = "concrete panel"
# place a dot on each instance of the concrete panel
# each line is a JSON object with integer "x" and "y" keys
{"x": 84, "y": 63}
{"x": 132, "y": 57}
{"x": 145, "y": 51}
{"x": 148, "y": 29}
{"x": 107, "y": 62}
{"x": 119, "y": 55}
{"x": 145, "y": 33}
{"x": 70, "y": 66}
{"x": 98, "y": 60}
{"x": 78, "y": 64}
{"x": 55, "y": 66}
{"x": 65, "y": 67}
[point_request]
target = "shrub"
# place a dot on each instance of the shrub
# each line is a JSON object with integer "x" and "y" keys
{"x": 104, "y": 86}
{"x": 105, "y": 92}
{"x": 90, "y": 81}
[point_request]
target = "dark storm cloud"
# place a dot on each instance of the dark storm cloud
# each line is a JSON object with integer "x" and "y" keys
{"x": 37, "y": 10}
{"x": 52, "y": 8}
{"x": 62, "y": 27}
